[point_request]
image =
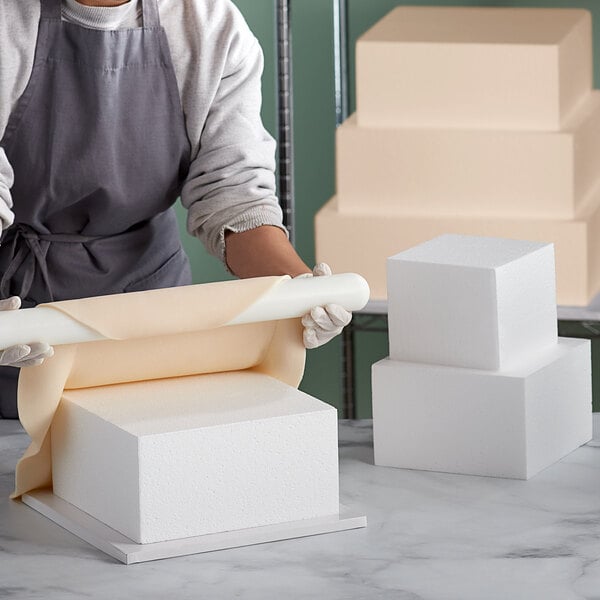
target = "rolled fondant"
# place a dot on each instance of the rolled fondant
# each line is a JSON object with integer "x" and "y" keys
{"x": 288, "y": 299}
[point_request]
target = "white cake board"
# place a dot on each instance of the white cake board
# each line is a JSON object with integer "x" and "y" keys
{"x": 125, "y": 550}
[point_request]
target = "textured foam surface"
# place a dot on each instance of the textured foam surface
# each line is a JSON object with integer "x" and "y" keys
{"x": 471, "y": 301}
{"x": 494, "y": 68}
{"x": 577, "y": 244}
{"x": 468, "y": 172}
{"x": 195, "y": 455}
{"x": 455, "y": 420}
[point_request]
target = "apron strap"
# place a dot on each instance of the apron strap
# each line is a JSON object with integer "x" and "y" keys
{"x": 150, "y": 12}
{"x": 51, "y": 9}
{"x": 25, "y": 255}
{"x": 28, "y": 250}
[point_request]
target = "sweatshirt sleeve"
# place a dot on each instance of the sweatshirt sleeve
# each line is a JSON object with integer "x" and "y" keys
{"x": 6, "y": 180}
{"x": 231, "y": 182}
{"x": 18, "y": 32}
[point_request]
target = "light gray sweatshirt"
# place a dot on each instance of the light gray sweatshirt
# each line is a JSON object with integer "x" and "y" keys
{"x": 218, "y": 64}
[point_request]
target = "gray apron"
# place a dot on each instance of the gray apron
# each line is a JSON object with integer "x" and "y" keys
{"x": 100, "y": 152}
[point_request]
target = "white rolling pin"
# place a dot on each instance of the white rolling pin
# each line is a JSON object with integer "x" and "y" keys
{"x": 291, "y": 298}
{"x": 295, "y": 297}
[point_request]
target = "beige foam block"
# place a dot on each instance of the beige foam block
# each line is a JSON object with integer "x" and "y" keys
{"x": 470, "y": 172}
{"x": 516, "y": 68}
{"x": 361, "y": 243}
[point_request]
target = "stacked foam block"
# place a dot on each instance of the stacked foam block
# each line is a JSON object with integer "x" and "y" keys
{"x": 197, "y": 455}
{"x": 477, "y": 381}
{"x": 476, "y": 121}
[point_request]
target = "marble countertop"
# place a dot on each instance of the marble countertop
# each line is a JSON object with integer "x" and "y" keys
{"x": 430, "y": 536}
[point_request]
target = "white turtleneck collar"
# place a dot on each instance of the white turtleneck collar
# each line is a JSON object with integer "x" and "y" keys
{"x": 102, "y": 17}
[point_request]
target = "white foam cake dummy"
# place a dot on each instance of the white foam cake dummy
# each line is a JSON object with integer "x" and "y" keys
{"x": 202, "y": 455}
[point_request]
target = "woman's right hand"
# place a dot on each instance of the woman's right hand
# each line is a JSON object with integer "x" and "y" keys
{"x": 22, "y": 355}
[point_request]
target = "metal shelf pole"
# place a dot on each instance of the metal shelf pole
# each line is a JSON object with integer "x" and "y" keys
{"x": 285, "y": 115}
{"x": 340, "y": 55}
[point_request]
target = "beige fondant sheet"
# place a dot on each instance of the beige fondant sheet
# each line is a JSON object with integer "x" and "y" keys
{"x": 160, "y": 334}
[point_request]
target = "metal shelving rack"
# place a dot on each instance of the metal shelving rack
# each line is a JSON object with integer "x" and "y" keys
{"x": 340, "y": 37}
{"x": 374, "y": 316}
{"x": 285, "y": 113}
{"x": 285, "y": 107}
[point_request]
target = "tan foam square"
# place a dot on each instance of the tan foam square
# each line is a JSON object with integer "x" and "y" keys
{"x": 361, "y": 243}
{"x": 495, "y": 68}
{"x": 460, "y": 172}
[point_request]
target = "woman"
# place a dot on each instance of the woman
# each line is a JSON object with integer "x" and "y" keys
{"x": 109, "y": 111}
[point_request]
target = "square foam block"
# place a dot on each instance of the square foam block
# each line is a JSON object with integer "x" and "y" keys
{"x": 458, "y": 172}
{"x": 468, "y": 67}
{"x": 474, "y": 302}
{"x": 360, "y": 243}
{"x": 176, "y": 458}
{"x": 511, "y": 424}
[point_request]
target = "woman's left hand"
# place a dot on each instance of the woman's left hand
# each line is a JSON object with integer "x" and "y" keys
{"x": 323, "y": 323}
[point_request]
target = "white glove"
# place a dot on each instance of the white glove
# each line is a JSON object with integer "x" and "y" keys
{"x": 323, "y": 323}
{"x": 22, "y": 355}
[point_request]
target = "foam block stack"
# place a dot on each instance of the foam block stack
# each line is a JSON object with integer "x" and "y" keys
{"x": 196, "y": 455}
{"x": 477, "y": 381}
{"x": 479, "y": 121}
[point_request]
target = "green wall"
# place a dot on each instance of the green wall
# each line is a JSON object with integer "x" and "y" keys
{"x": 312, "y": 29}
